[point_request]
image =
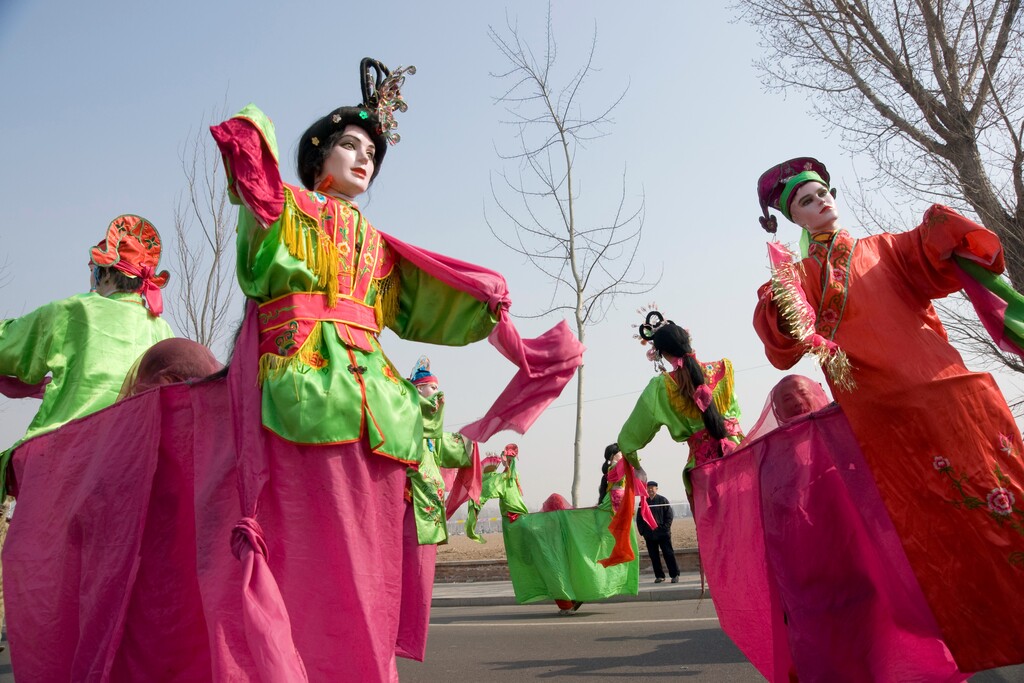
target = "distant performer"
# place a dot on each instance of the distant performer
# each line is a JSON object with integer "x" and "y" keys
{"x": 86, "y": 344}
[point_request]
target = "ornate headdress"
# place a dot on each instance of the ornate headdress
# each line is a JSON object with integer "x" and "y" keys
{"x": 132, "y": 246}
{"x": 382, "y": 93}
{"x": 645, "y": 333}
{"x": 493, "y": 461}
{"x": 421, "y": 374}
{"x": 776, "y": 185}
{"x": 375, "y": 114}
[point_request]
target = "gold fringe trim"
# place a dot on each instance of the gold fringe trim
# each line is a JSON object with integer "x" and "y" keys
{"x": 273, "y": 366}
{"x": 385, "y": 305}
{"x": 798, "y": 316}
{"x": 306, "y": 240}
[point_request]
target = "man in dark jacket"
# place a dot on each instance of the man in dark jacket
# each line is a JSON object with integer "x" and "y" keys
{"x": 660, "y": 537}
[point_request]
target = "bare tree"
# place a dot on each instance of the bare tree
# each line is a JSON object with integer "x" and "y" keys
{"x": 589, "y": 263}
{"x": 931, "y": 90}
{"x": 203, "y": 256}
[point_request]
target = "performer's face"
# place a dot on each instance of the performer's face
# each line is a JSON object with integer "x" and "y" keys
{"x": 814, "y": 208}
{"x": 792, "y": 399}
{"x": 427, "y": 390}
{"x": 350, "y": 163}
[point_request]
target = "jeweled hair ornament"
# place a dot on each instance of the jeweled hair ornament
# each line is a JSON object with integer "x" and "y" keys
{"x": 645, "y": 333}
{"x": 382, "y": 94}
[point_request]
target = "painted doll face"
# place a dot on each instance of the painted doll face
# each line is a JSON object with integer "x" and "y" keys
{"x": 814, "y": 208}
{"x": 350, "y": 163}
{"x": 427, "y": 389}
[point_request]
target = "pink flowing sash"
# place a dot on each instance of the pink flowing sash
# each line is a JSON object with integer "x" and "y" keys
{"x": 806, "y": 571}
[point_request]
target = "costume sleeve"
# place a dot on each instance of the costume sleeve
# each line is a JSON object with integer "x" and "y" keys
{"x": 782, "y": 349}
{"x": 26, "y": 343}
{"x": 433, "y": 311}
{"x": 642, "y": 424}
{"x": 454, "y": 450}
{"x": 248, "y": 146}
{"x": 927, "y": 251}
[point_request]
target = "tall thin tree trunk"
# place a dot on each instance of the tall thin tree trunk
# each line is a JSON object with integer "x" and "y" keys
{"x": 577, "y": 459}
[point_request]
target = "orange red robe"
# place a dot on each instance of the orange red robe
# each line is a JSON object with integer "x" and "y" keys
{"x": 940, "y": 440}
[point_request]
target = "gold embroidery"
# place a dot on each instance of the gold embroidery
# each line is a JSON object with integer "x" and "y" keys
{"x": 307, "y": 241}
{"x": 274, "y": 366}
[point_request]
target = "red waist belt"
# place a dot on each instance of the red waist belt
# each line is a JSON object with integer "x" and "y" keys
{"x": 285, "y": 323}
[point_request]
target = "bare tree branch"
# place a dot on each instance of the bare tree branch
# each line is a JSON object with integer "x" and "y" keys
{"x": 204, "y": 227}
{"x": 931, "y": 90}
{"x": 590, "y": 264}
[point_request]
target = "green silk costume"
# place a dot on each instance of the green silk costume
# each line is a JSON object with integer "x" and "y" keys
{"x": 661, "y": 405}
{"x": 325, "y": 378}
{"x": 86, "y": 343}
{"x": 440, "y": 449}
{"x": 555, "y": 555}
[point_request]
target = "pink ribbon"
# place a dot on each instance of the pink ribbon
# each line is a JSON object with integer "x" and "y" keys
{"x": 702, "y": 397}
{"x": 150, "y": 290}
{"x": 817, "y": 340}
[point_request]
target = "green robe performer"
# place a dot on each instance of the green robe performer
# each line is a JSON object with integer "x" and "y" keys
{"x": 695, "y": 400}
{"x": 553, "y": 555}
{"x": 85, "y": 344}
{"x": 329, "y": 537}
{"x": 441, "y": 449}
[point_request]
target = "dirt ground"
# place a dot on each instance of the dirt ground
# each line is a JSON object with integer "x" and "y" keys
{"x": 461, "y": 548}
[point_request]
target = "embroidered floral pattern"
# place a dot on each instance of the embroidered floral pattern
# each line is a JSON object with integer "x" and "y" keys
{"x": 315, "y": 360}
{"x": 285, "y": 340}
{"x": 1000, "y": 503}
{"x": 835, "y": 280}
{"x": 1006, "y": 445}
{"x": 389, "y": 373}
{"x": 266, "y": 317}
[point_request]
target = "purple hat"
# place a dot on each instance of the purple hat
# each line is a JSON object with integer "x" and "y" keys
{"x": 776, "y": 185}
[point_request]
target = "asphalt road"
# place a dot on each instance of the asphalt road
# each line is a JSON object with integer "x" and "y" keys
{"x": 672, "y": 640}
{"x": 675, "y": 640}
{"x": 626, "y": 641}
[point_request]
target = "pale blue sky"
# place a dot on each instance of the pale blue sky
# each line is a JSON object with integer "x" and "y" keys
{"x": 99, "y": 97}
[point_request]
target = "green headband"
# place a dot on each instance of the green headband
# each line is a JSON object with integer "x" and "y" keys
{"x": 792, "y": 184}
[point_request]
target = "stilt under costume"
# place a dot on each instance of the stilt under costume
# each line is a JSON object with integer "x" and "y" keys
{"x": 940, "y": 442}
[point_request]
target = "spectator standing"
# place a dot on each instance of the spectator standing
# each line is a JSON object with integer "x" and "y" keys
{"x": 659, "y": 539}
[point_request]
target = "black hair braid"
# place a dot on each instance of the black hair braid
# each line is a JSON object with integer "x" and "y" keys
{"x": 675, "y": 341}
{"x": 609, "y": 452}
{"x": 713, "y": 420}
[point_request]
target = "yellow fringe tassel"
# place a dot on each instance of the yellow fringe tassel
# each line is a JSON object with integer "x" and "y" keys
{"x": 274, "y": 366}
{"x": 385, "y": 306}
{"x": 306, "y": 240}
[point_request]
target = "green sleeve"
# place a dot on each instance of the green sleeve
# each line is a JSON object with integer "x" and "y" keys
{"x": 450, "y": 449}
{"x": 453, "y": 450}
{"x": 642, "y": 424}
{"x": 27, "y": 342}
{"x": 436, "y": 313}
